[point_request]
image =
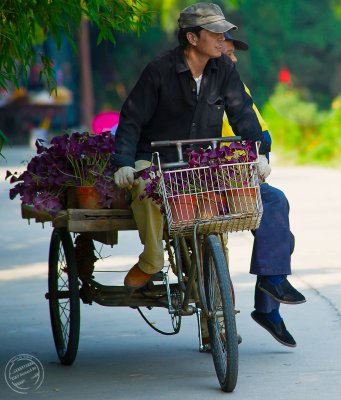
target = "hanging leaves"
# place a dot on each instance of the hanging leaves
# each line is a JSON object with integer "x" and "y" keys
{"x": 26, "y": 23}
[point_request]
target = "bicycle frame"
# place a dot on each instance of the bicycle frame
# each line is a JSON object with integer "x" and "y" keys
{"x": 199, "y": 226}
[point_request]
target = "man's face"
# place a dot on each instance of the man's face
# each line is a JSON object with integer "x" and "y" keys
{"x": 228, "y": 49}
{"x": 209, "y": 44}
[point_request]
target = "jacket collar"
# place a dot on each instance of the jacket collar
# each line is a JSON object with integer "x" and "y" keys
{"x": 180, "y": 62}
{"x": 181, "y": 65}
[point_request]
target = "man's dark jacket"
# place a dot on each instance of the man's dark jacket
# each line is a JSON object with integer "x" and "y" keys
{"x": 164, "y": 105}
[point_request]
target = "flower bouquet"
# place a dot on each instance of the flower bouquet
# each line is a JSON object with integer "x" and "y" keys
{"x": 76, "y": 160}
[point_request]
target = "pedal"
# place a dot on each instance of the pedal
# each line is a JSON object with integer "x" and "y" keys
{"x": 165, "y": 279}
{"x": 158, "y": 277}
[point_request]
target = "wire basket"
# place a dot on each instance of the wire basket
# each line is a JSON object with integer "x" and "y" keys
{"x": 225, "y": 198}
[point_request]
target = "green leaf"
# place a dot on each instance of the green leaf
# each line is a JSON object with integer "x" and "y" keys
{"x": 25, "y": 23}
{"x": 3, "y": 139}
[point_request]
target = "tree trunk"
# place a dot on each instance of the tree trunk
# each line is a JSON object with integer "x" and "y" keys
{"x": 86, "y": 86}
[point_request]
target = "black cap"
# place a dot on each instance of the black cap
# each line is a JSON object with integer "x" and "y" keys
{"x": 238, "y": 44}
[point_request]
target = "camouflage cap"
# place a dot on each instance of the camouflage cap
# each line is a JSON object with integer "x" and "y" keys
{"x": 206, "y": 15}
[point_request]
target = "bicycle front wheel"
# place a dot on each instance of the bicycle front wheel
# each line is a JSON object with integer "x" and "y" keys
{"x": 63, "y": 295}
{"x": 221, "y": 318}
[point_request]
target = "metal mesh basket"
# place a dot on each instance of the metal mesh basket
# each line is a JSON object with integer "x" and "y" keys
{"x": 220, "y": 199}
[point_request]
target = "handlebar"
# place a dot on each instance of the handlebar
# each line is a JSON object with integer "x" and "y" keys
{"x": 180, "y": 143}
{"x": 164, "y": 143}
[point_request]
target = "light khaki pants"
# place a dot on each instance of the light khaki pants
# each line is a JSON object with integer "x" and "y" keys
{"x": 149, "y": 221}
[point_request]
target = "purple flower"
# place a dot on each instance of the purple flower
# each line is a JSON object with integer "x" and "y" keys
{"x": 201, "y": 178}
{"x": 70, "y": 160}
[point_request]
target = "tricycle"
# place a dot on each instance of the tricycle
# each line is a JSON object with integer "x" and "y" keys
{"x": 195, "y": 236}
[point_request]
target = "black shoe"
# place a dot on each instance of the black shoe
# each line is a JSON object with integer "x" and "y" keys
{"x": 278, "y": 331}
{"x": 283, "y": 292}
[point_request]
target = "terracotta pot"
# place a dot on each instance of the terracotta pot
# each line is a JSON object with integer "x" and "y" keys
{"x": 183, "y": 208}
{"x": 211, "y": 204}
{"x": 242, "y": 200}
{"x": 88, "y": 197}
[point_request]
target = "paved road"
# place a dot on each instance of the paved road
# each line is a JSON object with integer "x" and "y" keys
{"x": 122, "y": 358}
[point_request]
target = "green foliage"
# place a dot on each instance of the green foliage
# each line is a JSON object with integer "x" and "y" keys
{"x": 302, "y": 35}
{"x": 26, "y": 23}
{"x": 337, "y": 7}
{"x": 117, "y": 68}
{"x": 300, "y": 131}
{"x": 3, "y": 140}
{"x": 167, "y": 11}
{"x": 328, "y": 145}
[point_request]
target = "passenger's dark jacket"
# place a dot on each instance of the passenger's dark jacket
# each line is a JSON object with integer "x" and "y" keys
{"x": 163, "y": 105}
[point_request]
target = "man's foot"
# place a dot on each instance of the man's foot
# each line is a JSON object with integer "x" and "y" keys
{"x": 136, "y": 278}
{"x": 283, "y": 292}
{"x": 278, "y": 331}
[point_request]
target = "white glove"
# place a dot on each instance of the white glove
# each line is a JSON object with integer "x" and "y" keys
{"x": 263, "y": 167}
{"x": 124, "y": 177}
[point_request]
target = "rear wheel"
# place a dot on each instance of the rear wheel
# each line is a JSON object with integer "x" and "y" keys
{"x": 221, "y": 318}
{"x": 63, "y": 295}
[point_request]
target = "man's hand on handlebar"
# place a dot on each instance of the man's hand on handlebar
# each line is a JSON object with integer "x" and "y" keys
{"x": 263, "y": 167}
{"x": 125, "y": 178}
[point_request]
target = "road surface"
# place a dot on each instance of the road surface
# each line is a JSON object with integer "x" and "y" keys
{"x": 120, "y": 357}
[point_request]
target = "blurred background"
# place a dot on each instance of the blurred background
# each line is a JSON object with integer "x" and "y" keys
{"x": 293, "y": 69}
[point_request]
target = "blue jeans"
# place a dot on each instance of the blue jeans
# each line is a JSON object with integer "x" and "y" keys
{"x": 273, "y": 243}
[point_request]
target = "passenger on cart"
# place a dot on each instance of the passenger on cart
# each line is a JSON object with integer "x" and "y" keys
{"x": 183, "y": 94}
{"x": 274, "y": 242}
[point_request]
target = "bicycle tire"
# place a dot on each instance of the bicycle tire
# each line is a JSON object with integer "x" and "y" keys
{"x": 63, "y": 295}
{"x": 222, "y": 329}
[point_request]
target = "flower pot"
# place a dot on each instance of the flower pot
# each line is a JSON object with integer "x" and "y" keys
{"x": 88, "y": 197}
{"x": 242, "y": 200}
{"x": 183, "y": 208}
{"x": 211, "y": 204}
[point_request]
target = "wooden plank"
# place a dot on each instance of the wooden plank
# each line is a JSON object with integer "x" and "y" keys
{"x": 29, "y": 212}
{"x": 83, "y": 220}
{"x": 88, "y": 214}
{"x": 60, "y": 221}
{"x": 101, "y": 225}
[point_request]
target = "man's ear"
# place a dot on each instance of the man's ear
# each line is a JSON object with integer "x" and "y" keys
{"x": 192, "y": 38}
